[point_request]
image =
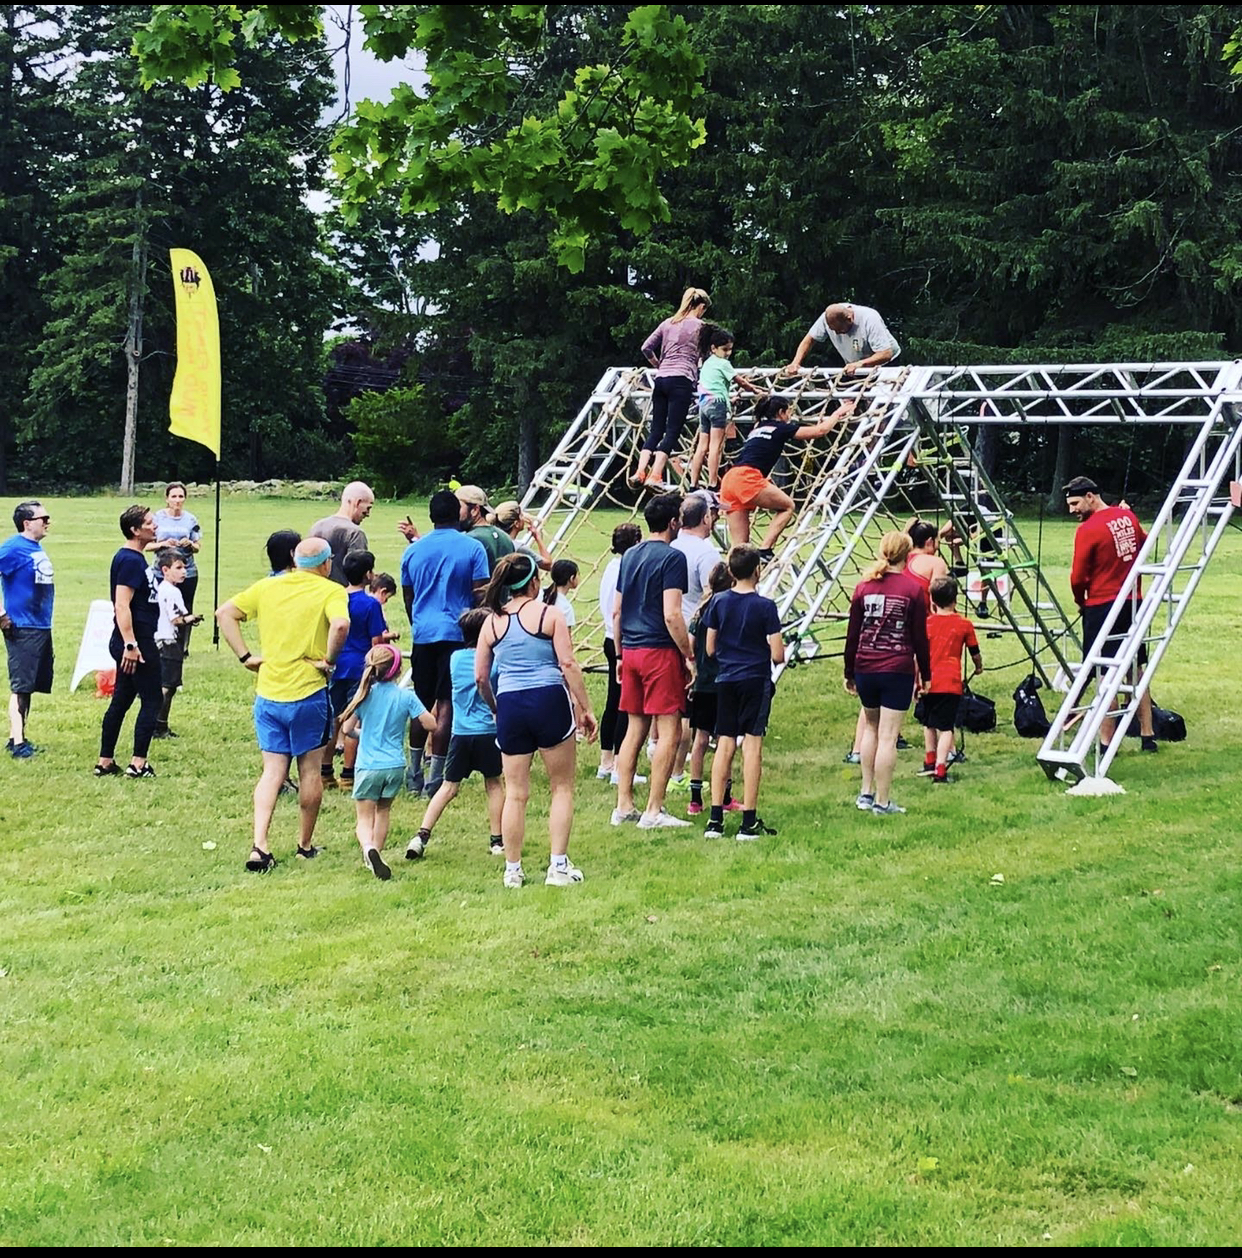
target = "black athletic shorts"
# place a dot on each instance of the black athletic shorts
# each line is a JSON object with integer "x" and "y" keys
{"x": 939, "y": 711}
{"x": 172, "y": 659}
{"x": 429, "y": 671}
{"x": 470, "y": 753}
{"x": 30, "y": 660}
{"x": 1093, "y": 622}
{"x": 703, "y": 711}
{"x": 885, "y": 690}
{"x": 743, "y": 707}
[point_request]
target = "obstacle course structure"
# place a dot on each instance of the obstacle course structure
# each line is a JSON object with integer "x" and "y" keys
{"x": 907, "y": 451}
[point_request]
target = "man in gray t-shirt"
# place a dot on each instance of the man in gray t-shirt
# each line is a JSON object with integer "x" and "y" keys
{"x": 341, "y": 530}
{"x": 858, "y": 334}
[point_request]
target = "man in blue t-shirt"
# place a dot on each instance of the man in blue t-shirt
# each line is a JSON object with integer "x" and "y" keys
{"x": 655, "y": 659}
{"x": 26, "y": 619}
{"x": 442, "y": 575}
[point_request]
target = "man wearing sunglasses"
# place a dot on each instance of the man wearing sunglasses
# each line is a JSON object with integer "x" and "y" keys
{"x": 26, "y": 619}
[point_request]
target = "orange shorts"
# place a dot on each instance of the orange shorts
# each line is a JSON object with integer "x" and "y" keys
{"x": 740, "y": 488}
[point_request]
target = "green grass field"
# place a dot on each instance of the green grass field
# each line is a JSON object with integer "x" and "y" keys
{"x": 846, "y": 1035}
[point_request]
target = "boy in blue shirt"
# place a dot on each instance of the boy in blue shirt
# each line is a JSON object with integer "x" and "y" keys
{"x": 367, "y": 628}
{"x": 472, "y": 745}
{"x": 744, "y": 634}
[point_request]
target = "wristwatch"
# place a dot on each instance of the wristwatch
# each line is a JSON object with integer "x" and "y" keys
{"x": 131, "y": 646}
{"x": 243, "y": 658}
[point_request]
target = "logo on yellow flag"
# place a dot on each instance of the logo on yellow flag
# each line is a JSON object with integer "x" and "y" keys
{"x": 194, "y": 409}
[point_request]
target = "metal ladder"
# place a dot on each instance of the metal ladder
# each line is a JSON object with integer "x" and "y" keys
{"x": 1188, "y": 529}
{"x": 995, "y": 547}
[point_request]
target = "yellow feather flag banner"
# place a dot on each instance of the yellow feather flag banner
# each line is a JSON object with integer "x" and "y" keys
{"x": 194, "y": 409}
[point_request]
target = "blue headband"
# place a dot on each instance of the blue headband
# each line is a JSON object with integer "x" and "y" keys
{"x": 313, "y": 561}
{"x": 526, "y": 580}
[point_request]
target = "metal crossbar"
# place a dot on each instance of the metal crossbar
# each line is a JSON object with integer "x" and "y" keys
{"x": 907, "y": 452}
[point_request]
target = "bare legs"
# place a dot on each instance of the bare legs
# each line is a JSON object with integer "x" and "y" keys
{"x": 560, "y": 762}
{"x": 879, "y": 751}
{"x": 310, "y": 795}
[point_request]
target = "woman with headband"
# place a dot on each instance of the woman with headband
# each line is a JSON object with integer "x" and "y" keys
{"x": 384, "y": 710}
{"x": 540, "y": 703}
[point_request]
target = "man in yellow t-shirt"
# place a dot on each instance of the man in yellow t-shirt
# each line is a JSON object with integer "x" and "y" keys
{"x": 303, "y": 621}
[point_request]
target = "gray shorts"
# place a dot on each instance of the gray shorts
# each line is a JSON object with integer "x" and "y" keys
{"x": 30, "y": 660}
{"x": 172, "y": 657}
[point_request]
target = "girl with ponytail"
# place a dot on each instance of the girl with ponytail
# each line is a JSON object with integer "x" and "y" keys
{"x": 384, "y": 711}
{"x": 673, "y": 350}
{"x": 540, "y": 703}
{"x": 886, "y": 653}
{"x": 564, "y": 576}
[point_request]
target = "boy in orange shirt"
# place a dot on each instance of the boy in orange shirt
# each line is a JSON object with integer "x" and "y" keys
{"x": 947, "y": 634}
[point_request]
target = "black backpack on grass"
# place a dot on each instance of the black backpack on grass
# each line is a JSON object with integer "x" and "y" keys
{"x": 1029, "y": 717}
{"x": 976, "y": 713}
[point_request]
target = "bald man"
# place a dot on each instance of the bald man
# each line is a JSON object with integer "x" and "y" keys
{"x": 857, "y": 333}
{"x": 341, "y": 530}
{"x": 303, "y": 621}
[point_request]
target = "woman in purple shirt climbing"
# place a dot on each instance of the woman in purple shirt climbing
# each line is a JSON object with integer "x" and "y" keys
{"x": 673, "y": 350}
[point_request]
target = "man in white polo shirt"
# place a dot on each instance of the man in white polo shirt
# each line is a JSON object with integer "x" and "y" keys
{"x": 858, "y": 334}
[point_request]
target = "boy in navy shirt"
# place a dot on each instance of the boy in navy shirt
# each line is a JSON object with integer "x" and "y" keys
{"x": 744, "y": 634}
{"x": 367, "y": 628}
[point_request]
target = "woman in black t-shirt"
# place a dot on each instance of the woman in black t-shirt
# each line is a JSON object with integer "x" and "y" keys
{"x": 746, "y": 487}
{"x": 135, "y": 614}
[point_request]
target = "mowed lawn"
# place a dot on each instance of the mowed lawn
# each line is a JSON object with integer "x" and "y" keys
{"x": 845, "y": 1035}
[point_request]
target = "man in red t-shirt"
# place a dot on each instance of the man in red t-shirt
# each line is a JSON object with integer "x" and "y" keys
{"x": 1106, "y": 545}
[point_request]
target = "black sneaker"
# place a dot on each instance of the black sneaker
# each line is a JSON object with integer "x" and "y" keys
{"x": 757, "y": 830}
{"x": 766, "y": 554}
{"x": 715, "y": 830}
{"x": 958, "y": 757}
{"x": 1147, "y": 743}
{"x": 941, "y": 779}
{"x": 107, "y": 770}
{"x": 308, "y": 853}
{"x": 378, "y": 868}
{"x": 133, "y": 771}
{"x": 496, "y": 847}
{"x": 902, "y": 745}
{"x": 927, "y": 771}
{"x": 165, "y": 733}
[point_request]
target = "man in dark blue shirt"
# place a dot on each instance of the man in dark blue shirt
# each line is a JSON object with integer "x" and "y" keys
{"x": 441, "y": 577}
{"x": 655, "y": 658}
{"x": 26, "y": 619}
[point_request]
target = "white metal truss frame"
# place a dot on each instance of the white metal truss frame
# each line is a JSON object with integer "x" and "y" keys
{"x": 850, "y": 485}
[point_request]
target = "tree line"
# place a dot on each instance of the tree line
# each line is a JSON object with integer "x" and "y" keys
{"x": 1004, "y": 182}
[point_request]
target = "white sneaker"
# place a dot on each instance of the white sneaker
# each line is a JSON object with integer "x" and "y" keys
{"x": 865, "y": 803}
{"x": 514, "y": 878}
{"x": 639, "y": 780}
{"x": 620, "y": 818}
{"x": 415, "y": 848}
{"x": 563, "y": 877}
{"x": 663, "y": 820}
{"x": 886, "y": 810}
{"x": 651, "y": 750}
{"x": 602, "y": 774}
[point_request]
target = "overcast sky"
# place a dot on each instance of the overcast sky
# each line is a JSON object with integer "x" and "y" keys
{"x": 369, "y": 77}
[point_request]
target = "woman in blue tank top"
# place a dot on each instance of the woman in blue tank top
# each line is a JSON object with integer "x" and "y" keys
{"x": 540, "y": 702}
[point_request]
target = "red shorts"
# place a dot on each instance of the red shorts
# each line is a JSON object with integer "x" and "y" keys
{"x": 653, "y": 681}
{"x": 740, "y": 488}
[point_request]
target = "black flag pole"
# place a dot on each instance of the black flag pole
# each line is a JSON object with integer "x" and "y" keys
{"x": 215, "y": 576}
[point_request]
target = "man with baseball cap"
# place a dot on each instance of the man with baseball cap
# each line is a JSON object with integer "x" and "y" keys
{"x": 475, "y": 521}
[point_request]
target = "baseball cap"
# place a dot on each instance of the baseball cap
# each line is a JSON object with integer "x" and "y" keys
{"x": 472, "y": 495}
{"x": 712, "y": 499}
{"x": 508, "y": 513}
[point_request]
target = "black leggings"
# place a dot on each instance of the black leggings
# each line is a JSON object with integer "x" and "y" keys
{"x": 614, "y": 722}
{"x": 670, "y": 404}
{"x": 188, "y": 588}
{"x": 142, "y": 684}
